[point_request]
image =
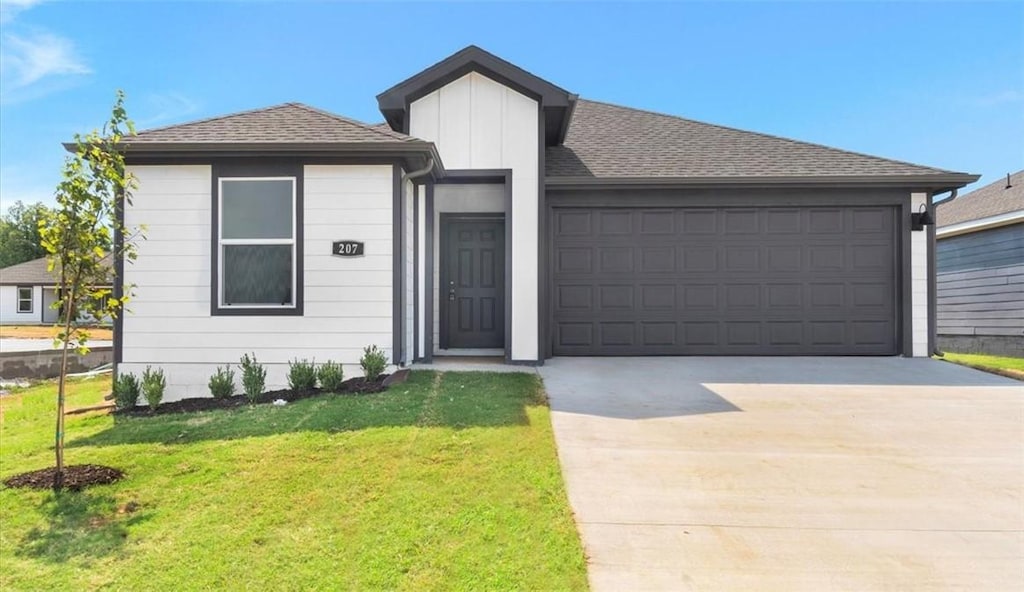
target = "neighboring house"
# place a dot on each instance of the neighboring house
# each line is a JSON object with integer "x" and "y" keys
{"x": 980, "y": 264}
{"x": 495, "y": 212}
{"x": 27, "y": 294}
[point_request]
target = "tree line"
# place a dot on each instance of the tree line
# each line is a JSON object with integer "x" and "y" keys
{"x": 19, "y": 233}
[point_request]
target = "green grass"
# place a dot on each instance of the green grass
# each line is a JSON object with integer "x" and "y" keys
{"x": 999, "y": 364}
{"x": 449, "y": 481}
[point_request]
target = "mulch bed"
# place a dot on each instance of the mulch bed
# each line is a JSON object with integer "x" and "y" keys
{"x": 352, "y": 386}
{"x": 75, "y": 477}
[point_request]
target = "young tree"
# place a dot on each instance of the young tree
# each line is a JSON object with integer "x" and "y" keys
{"x": 80, "y": 233}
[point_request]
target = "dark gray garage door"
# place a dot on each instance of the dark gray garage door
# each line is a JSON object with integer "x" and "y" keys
{"x": 705, "y": 281}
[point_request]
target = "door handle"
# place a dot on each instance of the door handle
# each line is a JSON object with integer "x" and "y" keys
{"x": 451, "y": 292}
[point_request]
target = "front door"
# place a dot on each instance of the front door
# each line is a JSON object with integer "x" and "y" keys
{"x": 472, "y": 291}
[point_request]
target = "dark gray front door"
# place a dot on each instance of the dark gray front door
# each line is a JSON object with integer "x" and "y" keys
{"x": 472, "y": 290}
{"x": 713, "y": 281}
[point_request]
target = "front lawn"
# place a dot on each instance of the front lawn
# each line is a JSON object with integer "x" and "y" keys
{"x": 448, "y": 481}
{"x": 1007, "y": 366}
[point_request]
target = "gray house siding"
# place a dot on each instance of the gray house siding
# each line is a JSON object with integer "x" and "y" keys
{"x": 980, "y": 288}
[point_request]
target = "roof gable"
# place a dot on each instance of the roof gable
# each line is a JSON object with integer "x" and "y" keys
{"x": 606, "y": 141}
{"x": 993, "y": 199}
{"x": 555, "y": 101}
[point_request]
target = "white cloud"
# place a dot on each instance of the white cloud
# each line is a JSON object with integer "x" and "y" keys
{"x": 28, "y": 59}
{"x": 10, "y": 8}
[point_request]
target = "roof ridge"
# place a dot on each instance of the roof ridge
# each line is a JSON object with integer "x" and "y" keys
{"x": 391, "y": 134}
{"x": 771, "y": 136}
{"x": 214, "y": 118}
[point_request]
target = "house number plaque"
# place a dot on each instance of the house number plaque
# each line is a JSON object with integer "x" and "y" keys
{"x": 347, "y": 248}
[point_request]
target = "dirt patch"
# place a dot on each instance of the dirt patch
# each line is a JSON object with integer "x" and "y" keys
{"x": 49, "y": 332}
{"x": 352, "y": 386}
{"x": 76, "y": 477}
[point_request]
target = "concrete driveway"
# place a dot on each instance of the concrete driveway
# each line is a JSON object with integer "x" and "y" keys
{"x": 792, "y": 473}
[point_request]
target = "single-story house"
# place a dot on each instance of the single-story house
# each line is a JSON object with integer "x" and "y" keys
{"x": 28, "y": 292}
{"x": 980, "y": 259}
{"x": 494, "y": 212}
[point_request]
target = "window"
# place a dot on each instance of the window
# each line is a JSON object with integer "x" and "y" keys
{"x": 24, "y": 298}
{"x": 256, "y": 244}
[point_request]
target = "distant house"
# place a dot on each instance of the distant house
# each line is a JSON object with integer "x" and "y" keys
{"x": 980, "y": 269}
{"x": 27, "y": 294}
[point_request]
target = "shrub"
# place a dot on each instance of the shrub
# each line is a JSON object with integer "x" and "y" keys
{"x": 153, "y": 385}
{"x": 331, "y": 376}
{"x": 254, "y": 377}
{"x": 301, "y": 375}
{"x": 373, "y": 362}
{"x": 126, "y": 390}
{"x": 222, "y": 383}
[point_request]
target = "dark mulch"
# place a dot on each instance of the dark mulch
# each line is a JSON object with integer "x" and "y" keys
{"x": 75, "y": 477}
{"x": 354, "y": 386}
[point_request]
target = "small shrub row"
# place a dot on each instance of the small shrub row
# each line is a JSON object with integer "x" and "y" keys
{"x": 303, "y": 375}
{"x": 127, "y": 388}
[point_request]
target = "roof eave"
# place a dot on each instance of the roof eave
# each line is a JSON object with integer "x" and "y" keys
{"x": 935, "y": 183}
{"x": 194, "y": 150}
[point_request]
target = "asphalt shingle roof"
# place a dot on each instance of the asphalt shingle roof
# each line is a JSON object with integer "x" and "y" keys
{"x": 290, "y": 123}
{"x": 610, "y": 141}
{"x": 27, "y": 273}
{"x": 33, "y": 273}
{"x": 991, "y": 200}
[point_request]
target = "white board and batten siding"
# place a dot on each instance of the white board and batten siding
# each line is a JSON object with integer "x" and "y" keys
{"x": 919, "y": 283}
{"x": 478, "y": 123}
{"x": 347, "y": 301}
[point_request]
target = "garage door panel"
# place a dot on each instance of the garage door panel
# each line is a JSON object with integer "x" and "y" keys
{"x": 780, "y": 281}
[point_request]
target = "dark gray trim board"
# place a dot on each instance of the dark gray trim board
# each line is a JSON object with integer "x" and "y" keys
{"x": 416, "y": 354}
{"x": 413, "y": 153}
{"x": 936, "y": 183}
{"x": 724, "y": 197}
{"x": 905, "y": 323}
{"x": 932, "y": 285}
{"x": 397, "y": 269}
{"x": 118, "y": 288}
{"x": 260, "y": 169}
{"x": 544, "y": 343}
{"x": 428, "y": 271}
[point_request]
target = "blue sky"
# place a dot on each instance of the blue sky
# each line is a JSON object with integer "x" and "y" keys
{"x": 937, "y": 83}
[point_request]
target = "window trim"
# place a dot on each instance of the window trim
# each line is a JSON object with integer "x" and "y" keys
{"x": 31, "y": 299}
{"x": 246, "y": 172}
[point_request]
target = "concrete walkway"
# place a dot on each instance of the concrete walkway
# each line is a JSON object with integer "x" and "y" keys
{"x": 15, "y": 344}
{"x": 792, "y": 473}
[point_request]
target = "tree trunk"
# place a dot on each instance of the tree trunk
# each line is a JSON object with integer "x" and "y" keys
{"x": 58, "y": 476}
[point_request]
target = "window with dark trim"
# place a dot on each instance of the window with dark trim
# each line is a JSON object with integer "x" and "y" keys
{"x": 25, "y": 299}
{"x": 257, "y": 240}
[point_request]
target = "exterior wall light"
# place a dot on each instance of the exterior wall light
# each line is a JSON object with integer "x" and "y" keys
{"x": 921, "y": 219}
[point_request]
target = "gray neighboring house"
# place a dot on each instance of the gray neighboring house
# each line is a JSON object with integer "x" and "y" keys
{"x": 980, "y": 264}
{"x": 27, "y": 294}
{"x": 496, "y": 213}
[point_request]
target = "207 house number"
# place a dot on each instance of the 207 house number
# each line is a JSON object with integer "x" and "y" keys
{"x": 347, "y": 248}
